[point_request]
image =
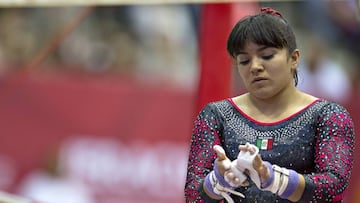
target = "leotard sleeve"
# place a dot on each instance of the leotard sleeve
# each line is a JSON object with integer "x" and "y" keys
{"x": 334, "y": 149}
{"x": 205, "y": 135}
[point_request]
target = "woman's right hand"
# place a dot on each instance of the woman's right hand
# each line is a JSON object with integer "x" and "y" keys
{"x": 223, "y": 163}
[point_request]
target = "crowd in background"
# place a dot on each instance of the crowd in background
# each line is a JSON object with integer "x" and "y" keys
{"x": 161, "y": 41}
{"x": 158, "y": 42}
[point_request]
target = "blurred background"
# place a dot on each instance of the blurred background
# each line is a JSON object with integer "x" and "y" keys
{"x": 97, "y": 102}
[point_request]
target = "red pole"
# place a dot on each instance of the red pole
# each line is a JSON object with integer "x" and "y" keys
{"x": 215, "y": 71}
{"x": 217, "y": 20}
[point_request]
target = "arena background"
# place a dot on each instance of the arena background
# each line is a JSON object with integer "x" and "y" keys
{"x": 97, "y": 98}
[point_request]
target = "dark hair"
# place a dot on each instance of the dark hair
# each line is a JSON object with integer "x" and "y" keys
{"x": 263, "y": 29}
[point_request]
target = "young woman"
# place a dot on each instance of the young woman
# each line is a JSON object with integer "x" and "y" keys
{"x": 304, "y": 145}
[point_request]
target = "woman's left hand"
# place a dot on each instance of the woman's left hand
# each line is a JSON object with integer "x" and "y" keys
{"x": 258, "y": 163}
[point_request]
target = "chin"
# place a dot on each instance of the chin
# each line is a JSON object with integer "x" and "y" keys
{"x": 262, "y": 97}
{"x": 262, "y": 94}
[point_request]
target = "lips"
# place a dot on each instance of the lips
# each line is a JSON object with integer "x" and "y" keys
{"x": 259, "y": 79}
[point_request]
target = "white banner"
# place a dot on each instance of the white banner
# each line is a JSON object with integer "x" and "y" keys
{"x": 106, "y": 170}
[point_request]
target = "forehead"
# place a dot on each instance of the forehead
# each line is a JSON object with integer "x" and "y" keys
{"x": 253, "y": 47}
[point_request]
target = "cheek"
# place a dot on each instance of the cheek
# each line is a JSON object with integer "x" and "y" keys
{"x": 281, "y": 67}
{"x": 244, "y": 79}
{"x": 242, "y": 74}
{"x": 285, "y": 74}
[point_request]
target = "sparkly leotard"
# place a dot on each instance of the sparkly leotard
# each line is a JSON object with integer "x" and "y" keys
{"x": 317, "y": 142}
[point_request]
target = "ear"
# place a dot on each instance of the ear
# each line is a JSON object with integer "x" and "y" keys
{"x": 295, "y": 56}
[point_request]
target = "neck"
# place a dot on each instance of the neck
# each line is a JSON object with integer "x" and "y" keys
{"x": 277, "y": 104}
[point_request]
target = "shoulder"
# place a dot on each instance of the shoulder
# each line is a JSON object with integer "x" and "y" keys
{"x": 216, "y": 105}
{"x": 324, "y": 107}
{"x": 216, "y": 109}
{"x": 335, "y": 114}
{"x": 329, "y": 108}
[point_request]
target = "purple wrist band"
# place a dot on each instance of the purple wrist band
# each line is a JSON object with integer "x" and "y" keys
{"x": 209, "y": 186}
{"x": 271, "y": 178}
{"x": 292, "y": 184}
{"x": 221, "y": 178}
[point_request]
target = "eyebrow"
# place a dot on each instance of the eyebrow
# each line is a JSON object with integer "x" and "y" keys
{"x": 259, "y": 49}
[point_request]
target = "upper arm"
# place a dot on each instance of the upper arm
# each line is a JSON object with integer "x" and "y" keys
{"x": 205, "y": 135}
{"x": 333, "y": 156}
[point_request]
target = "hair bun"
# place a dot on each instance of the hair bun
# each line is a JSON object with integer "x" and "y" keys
{"x": 271, "y": 11}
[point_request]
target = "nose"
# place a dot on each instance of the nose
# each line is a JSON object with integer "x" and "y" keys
{"x": 256, "y": 65}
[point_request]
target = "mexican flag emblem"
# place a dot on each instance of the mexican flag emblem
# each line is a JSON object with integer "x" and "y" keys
{"x": 264, "y": 143}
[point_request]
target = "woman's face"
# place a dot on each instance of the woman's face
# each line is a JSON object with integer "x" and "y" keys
{"x": 266, "y": 71}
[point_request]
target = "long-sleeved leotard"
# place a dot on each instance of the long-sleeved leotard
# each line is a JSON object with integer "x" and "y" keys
{"x": 317, "y": 142}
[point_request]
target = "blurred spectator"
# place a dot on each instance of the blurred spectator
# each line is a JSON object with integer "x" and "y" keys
{"x": 102, "y": 42}
{"x": 334, "y": 20}
{"x": 321, "y": 75}
{"x": 16, "y": 43}
{"x": 339, "y": 22}
{"x": 167, "y": 43}
{"x": 49, "y": 185}
{"x": 41, "y": 187}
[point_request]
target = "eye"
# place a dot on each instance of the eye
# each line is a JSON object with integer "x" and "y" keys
{"x": 244, "y": 62}
{"x": 242, "y": 59}
{"x": 268, "y": 57}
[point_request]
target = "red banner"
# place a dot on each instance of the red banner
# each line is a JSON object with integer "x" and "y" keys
{"x": 110, "y": 139}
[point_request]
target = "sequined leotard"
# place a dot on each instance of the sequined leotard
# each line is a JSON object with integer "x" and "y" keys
{"x": 317, "y": 142}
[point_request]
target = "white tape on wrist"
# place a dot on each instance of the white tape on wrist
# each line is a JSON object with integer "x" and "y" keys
{"x": 245, "y": 161}
{"x": 281, "y": 182}
{"x": 284, "y": 180}
{"x": 223, "y": 191}
{"x": 276, "y": 184}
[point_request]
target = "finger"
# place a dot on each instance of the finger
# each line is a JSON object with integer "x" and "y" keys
{"x": 247, "y": 148}
{"x": 237, "y": 181}
{"x": 259, "y": 166}
{"x": 228, "y": 176}
{"x": 220, "y": 152}
{"x": 232, "y": 179}
{"x": 245, "y": 183}
{"x": 257, "y": 162}
{"x": 244, "y": 148}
